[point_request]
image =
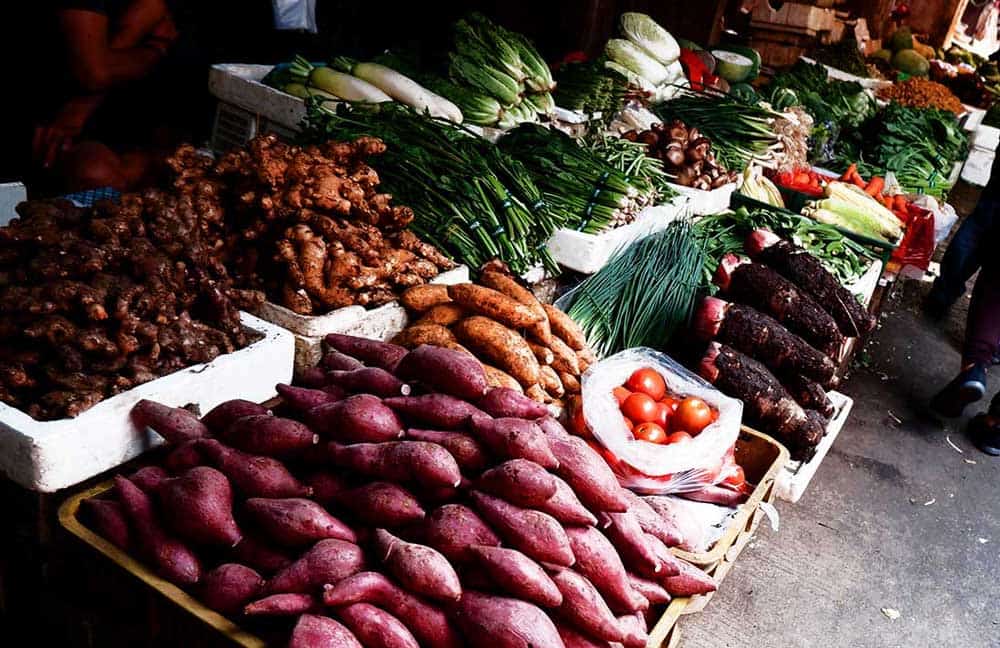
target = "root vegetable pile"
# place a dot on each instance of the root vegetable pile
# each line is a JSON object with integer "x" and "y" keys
{"x": 457, "y": 515}
{"x": 922, "y": 93}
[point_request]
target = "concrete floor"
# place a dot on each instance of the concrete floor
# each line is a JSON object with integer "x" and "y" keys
{"x": 895, "y": 518}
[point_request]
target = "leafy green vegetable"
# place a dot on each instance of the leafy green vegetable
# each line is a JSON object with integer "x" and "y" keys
{"x": 650, "y": 36}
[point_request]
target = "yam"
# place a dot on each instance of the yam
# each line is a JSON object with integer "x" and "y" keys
{"x": 469, "y": 455}
{"x": 584, "y": 608}
{"x": 418, "y": 568}
{"x": 444, "y": 370}
{"x": 362, "y": 418}
{"x": 382, "y": 504}
{"x": 520, "y": 482}
{"x": 649, "y": 589}
{"x": 314, "y": 631}
{"x": 542, "y": 353}
{"x": 416, "y": 334}
{"x": 198, "y": 507}
{"x": 453, "y": 528}
{"x": 304, "y": 399}
{"x": 228, "y": 587}
{"x": 565, "y": 328}
{"x": 328, "y": 561}
{"x": 428, "y": 464}
{"x": 635, "y": 629}
{"x": 253, "y": 475}
{"x": 493, "y": 304}
{"x": 535, "y": 533}
{"x": 500, "y": 346}
{"x": 283, "y": 605}
{"x": 174, "y": 424}
{"x": 267, "y": 435}
{"x": 587, "y": 474}
{"x": 376, "y": 628}
{"x": 499, "y": 378}
{"x": 565, "y": 506}
{"x": 261, "y": 556}
{"x": 651, "y": 521}
{"x": 689, "y": 582}
{"x": 220, "y": 416}
{"x": 439, "y": 411}
{"x": 628, "y": 538}
{"x": 489, "y": 621}
{"x": 295, "y": 522}
{"x": 502, "y": 402}
{"x": 509, "y": 286}
{"x": 334, "y": 360}
{"x": 108, "y": 520}
{"x": 372, "y": 352}
{"x": 368, "y": 380}
{"x": 570, "y": 382}
{"x": 513, "y": 438}
{"x": 442, "y": 315}
{"x": 518, "y": 575}
{"x": 418, "y": 299}
{"x": 597, "y": 559}
{"x": 550, "y": 381}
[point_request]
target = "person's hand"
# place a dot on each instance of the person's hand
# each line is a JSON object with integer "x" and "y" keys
{"x": 165, "y": 31}
{"x": 50, "y": 140}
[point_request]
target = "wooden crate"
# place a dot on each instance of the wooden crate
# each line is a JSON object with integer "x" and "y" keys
{"x": 793, "y": 17}
{"x": 780, "y": 49}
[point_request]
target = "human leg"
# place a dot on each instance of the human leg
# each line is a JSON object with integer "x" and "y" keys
{"x": 962, "y": 258}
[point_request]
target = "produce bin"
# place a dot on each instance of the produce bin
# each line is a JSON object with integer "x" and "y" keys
{"x": 49, "y": 455}
{"x": 706, "y": 203}
{"x": 239, "y": 84}
{"x": 794, "y": 478}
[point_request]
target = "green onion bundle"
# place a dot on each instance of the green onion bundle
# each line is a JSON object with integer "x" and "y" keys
{"x": 632, "y": 159}
{"x": 643, "y": 294}
{"x": 591, "y": 88}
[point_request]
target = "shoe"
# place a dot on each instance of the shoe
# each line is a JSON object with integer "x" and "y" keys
{"x": 984, "y": 430}
{"x": 968, "y": 387}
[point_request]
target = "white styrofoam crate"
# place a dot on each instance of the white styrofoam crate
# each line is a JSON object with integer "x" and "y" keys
{"x": 794, "y": 478}
{"x": 377, "y": 323}
{"x": 50, "y": 455}
{"x": 978, "y": 166}
{"x": 866, "y": 284}
{"x": 240, "y": 84}
{"x": 588, "y": 253}
{"x": 973, "y": 118}
{"x": 840, "y": 75}
{"x": 706, "y": 203}
{"x": 985, "y": 137}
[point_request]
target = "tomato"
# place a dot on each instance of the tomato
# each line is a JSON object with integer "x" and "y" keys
{"x": 692, "y": 415}
{"x": 663, "y": 413}
{"x": 620, "y": 394}
{"x": 671, "y": 402}
{"x": 678, "y": 437}
{"x": 647, "y": 381}
{"x": 650, "y": 432}
{"x": 640, "y": 408}
{"x": 736, "y": 477}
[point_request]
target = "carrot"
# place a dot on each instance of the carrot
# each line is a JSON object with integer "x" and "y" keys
{"x": 899, "y": 203}
{"x": 874, "y": 187}
{"x": 849, "y": 173}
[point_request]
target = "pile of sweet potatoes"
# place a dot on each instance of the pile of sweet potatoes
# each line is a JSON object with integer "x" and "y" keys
{"x": 399, "y": 501}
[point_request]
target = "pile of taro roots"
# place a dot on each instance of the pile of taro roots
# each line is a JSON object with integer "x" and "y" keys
{"x": 405, "y": 504}
{"x": 776, "y": 336}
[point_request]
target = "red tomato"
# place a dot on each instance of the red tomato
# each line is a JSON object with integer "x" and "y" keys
{"x": 692, "y": 415}
{"x": 678, "y": 437}
{"x": 647, "y": 381}
{"x": 736, "y": 477}
{"x": 640, "y": 408}
{"x": 663, "y": 413}
{"x": 671, "y": 402}
{"x": 650, "y": 432}
{"x": 620, "y": 394}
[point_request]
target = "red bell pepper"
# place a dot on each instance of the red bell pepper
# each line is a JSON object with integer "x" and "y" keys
{"x": 695, "y": 69}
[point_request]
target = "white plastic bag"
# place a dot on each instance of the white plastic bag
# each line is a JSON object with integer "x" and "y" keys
{"x": 649, "y": 467}
{"x": 294, "y": 15}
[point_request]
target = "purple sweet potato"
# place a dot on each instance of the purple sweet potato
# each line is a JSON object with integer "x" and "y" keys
{"x": 445, "y": 371}
{"x": 651, "y": 521}
{"x": 428, "y": 464}
{"x": 669, "y": 563}
{"x": 716, "y": 494}
{"x": 489, "y": 621}
{"x": 314, "y": 631}
{"x": 636, "y": 631}
{"x": 690, "y": 531}
{"x": 282, "y": 605}
{"x": 326, "y": 485}
{"x": 295, "y": 522}
{"x": 253, "y": 475}
{"x": 428, "y": 623}
{"x": 520, "y": 482}
{"x": 469, "y": 455}
{"x": 584, "y": 608}
{"x": 513, "y": 438}
{"x": 503, "y": 402}
{"x": 174, "y": 424}
{"x": 587, "y": 474}
{"x": 184, "y": 457}
{"x": 382, "y": 504}
{"x": 260, "y": 555}
{"x": 198, "y": 507}
{"x": 311, "y": 377}
{"x": 149, "y": 478}
{"x": 418, "y": 568}
{"x": 566, "y": 507}
{"x": 690, "y": 581}
{"x": 336, "y": 361}
{"x": 371, "y": 352}
{"x": 368, "y": 380}
{"x": 436, "y": 410}
{"x": 535, "y": 533}
{"x": 222, "y": 415}
{"x": 597, "y": 559}
{"x": 517, "y": 575}
{"x": 107, "y": 518}
{"x": 375, "y": 627}
{"x": 650, "y": 590}
{"x": 629, "y": 540}
{"x": 552, "y": 428}
{"x": 302, "y": 399}
{"x": 356, "y": 419}
{"x": 573, "y": 638}
{"x": 453, "y": 529}
{"x": 227, "y": 588}
{"x": 173, "y": 560}
{"x": 328, "y": 561}
{"x": 271, "y": 436}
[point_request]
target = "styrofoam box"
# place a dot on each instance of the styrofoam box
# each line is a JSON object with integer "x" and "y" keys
{"x": 239, "y": 84}
{"x": 973, "y": 118}
{"x": 588, "y": 253}
{"x": 794, "y": 478}
{"x": 866, "y": 284}
{"x": 834, "y": 73}
{"x": 978, "y": 166}
{"x": 49, "y": 455}
{"x": 377, "y": 323}
{"x": 985, "y": 137}
{"x": 706, "y": 203}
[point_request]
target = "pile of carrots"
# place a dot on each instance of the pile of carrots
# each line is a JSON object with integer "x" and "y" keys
{"x": 897, "y": 203}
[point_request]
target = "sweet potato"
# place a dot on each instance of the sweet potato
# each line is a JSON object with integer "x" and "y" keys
{"x": 716, "y": 494}
{"x": 416, "y": 335}
{"x": 499, "y": 378}
{"x": 587, "y": 474}
{"x": 427, "y": 464}
{"x": 669, "y": 563}
{"x": 368, "y": 380}
{"x": 488, "y": 621}
{"x": 283, "y": 605}
{"x": 513, "y": 438}
{"x": 259, "y": 555}
{"x": 564, "y": 358}
{"x": 453, "y": 528}
{"x": 310, "y": 377}
{"x": 328, "y": 561}
{"x": 429, "y": 624}
{"x": 174, "y": 424}
{"x": 469, "y": 455}
{"x": 584, "y": 608}
{"x": 314, "y": 631}
{"x": 184, "y": 457}
{"x": 549, "y": 379}
{"x": 445, "y": 371}
{"x": 222, "y": 415}
{"x": 362, "y": 418}
{"x": 649, "y": 589}
{"x": 690, "y": 581}
{"x": 253, "y": 475}
{"x": 228, "y": 587}
{"x": 418, "y": 299}
{"x": 690, "y": 531}
{"x": 535, "y": 533}
{"x": 372, "y": 352}
{"x": 572, "y": 638}
{"x": 149, "y": 478}
{"x": 173, "y": 560}
{"x": 382, "y": 504}
{"x": 519, "y": 481}
{"x": 518, "y": 575}
{"x": 509, "y": 286}
{"x": 597, "y": 559}
{"x": 271, "y": 436}
{"x": 502, "y": 347}
{"x": 570, "y": 382}
{"x": 537, "y": 393}
{"x": 636, "y": 631}
{"x": 493, "y": 304}
{"x": 565, "y": 507}
{"x": 296, "y": 522}
{"x": 542, "y": 353}
{"x": 106, "y": 517}
{"x": 418, "y": 568}
{"x": 628, "y": 538}
{"x": 326, "y": 485}
{"x": 501, "y": 402}
{"x": 303, "y": 399}
{"x": 651, "y": 521}
{"x": 439, "y": 411}
{"x": 552, "y": 428}
{"x": 565, "y": 328}
{"x": 334, "y": 360}
{"x": 375, "y": 627}
{"x": 198, "y": 507}
{"x": 442, "y": 315}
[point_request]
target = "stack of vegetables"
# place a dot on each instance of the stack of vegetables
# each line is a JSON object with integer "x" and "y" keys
{"x": 850, "y": 207}
{"x": 922, "y": 93}
{"x": 400, "y": 502}
{"x": 686, "y": 154}
{"x": 646, "y": 55}
{"x": 591, "y": 88}
{"x": 758, "y": 187}
{"x": 647, "y": 173}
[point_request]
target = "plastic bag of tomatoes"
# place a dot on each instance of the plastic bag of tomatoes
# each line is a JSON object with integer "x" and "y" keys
{"x": 663, "y": 429}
